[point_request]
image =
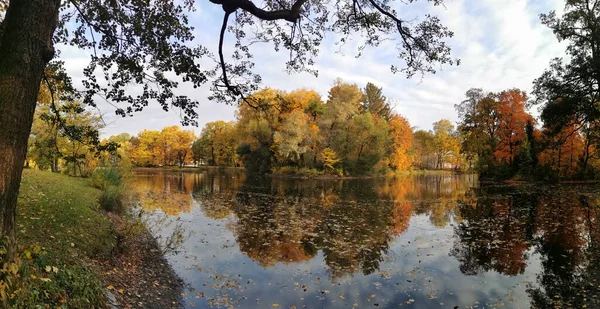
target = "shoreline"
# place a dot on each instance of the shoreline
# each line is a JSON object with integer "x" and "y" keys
{"x": 142, "y": 267}
{"x": 300, "y": 176}
{"x": 83, "y": 256}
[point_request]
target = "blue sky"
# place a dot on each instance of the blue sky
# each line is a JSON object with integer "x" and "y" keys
{"x": 501, "y": 44}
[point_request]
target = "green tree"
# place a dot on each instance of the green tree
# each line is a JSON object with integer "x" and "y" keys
{"x": 342, "y": 105}
{"x": 367, "y": 139}
{"x": 376, "y": 103}
{"x": 479, "y": 123}
{"x": 199, "y": 152}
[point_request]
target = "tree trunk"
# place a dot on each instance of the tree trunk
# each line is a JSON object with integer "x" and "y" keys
{"x": 25, "y": 49}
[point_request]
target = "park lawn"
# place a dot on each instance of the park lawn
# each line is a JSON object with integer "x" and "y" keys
{"x": 61, "y": 232}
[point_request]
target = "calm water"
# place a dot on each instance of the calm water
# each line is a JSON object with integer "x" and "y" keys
{"x": 416, "y": 242}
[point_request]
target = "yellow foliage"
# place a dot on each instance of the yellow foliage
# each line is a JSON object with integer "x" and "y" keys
{"x": 329, "y": 158}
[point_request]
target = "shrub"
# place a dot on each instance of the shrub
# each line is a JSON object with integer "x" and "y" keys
{"x": 112, "y": 183}
{"x": 310, "y": 172}
{"x": 111, "y": 198}
{"x": 545, "y": 173}
{"x": 107, "y": 176}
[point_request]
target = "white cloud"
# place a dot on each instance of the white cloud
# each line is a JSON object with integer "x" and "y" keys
{"x": 501, "y": 44}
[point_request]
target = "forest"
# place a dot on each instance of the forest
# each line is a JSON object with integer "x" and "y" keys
{"x": 353, "y": 132}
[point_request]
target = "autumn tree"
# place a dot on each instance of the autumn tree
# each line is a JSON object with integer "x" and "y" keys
{"x": 218, "y": 141}
{"x": 423, "y": 150}
{"x": 446, "y": 147}
{"x": 329, "y": 158}
{"x": 64, "y": 137}
{"x": 291, "y": 141}
{"x": 169, "y": 146}
{"x": 401, "y": 138}
{"x": 492, "y": 127}
{"x": 512, "y": 120}
{"x": 182, "y": 145}
{"x": 568, "y": 90}
{"x": 144, "y": 150}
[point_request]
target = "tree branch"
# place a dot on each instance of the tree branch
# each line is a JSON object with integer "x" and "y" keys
{"x": 291, "y": 15}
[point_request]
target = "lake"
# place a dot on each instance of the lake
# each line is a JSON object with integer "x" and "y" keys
{"x": 420, "y": 241}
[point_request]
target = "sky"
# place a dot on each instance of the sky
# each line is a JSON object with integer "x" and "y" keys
{"x": 501, "y": 44}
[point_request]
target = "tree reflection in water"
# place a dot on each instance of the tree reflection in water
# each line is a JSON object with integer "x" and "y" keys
{"x": 288, "y": 221}
{"x": 352, "y": 225}
{"x": 503, "y": 225}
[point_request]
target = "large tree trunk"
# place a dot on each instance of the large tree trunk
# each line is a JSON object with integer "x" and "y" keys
{"x": 25, "y": 49}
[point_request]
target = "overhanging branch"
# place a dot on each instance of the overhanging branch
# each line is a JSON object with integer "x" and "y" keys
{"x": 291, "y": 15}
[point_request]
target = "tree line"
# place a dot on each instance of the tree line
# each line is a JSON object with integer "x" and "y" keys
{"x": 353, "y": 132}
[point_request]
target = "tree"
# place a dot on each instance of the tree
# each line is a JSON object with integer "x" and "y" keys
{"x": 568, "y": 90}
{"x": 492, "y": 127}
{"x": 183, "y": 143}
{"x": 376, "y": 103}
{"x": 478, "y": 126}
{"x": 512, "y": 120}
{"x": 219, "y": 141}
{"x": 423, "y": 148}
{"x": 367, "y": 136}
{"x": 199, "y": 153}
{"x": 401, "y": 137}
{"x": 343, "y": 104}
{"x": 145, "y": 148}
{"x": 137, "y": 43}
{"x": 329, "y": 158}
{"x": 446, "y": 144}
{"x": 290, "y": 142}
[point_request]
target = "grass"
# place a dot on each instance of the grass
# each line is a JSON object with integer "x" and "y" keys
{"x": 60, "y": 232}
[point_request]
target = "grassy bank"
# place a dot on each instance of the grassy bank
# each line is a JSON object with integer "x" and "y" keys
{"x": 71, "y": 252}
{"x": 61, "y": 232}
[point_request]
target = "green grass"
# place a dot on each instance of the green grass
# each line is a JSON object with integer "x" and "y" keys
{"x": 60, "y": 229}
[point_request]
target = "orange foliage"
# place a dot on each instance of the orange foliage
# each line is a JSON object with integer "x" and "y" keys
{"x": 565, "y": 150}
{"x": 402, "y": 140}
{"x": 512, "y": 121}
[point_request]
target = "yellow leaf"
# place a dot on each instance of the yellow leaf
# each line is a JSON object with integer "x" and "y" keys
{"x": 275, "y": 305}
{"x": 110, "y": 287}
{"x": 55, "y": 269}
{"x": 28, "y": 255}
{"x": 14, "y": 269}
{"x": 72, "y": 245}
{"x": 121, "y": 291}
{"x": 36, "y": 249}
{"x": 45, "y": 279}
{"x": 48, "y": 269}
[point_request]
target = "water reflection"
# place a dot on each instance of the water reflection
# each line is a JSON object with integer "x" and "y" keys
{"x": 423, "y": 241}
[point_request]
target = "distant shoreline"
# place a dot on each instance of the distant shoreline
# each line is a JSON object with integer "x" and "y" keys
{"x": 300, "y": 176}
